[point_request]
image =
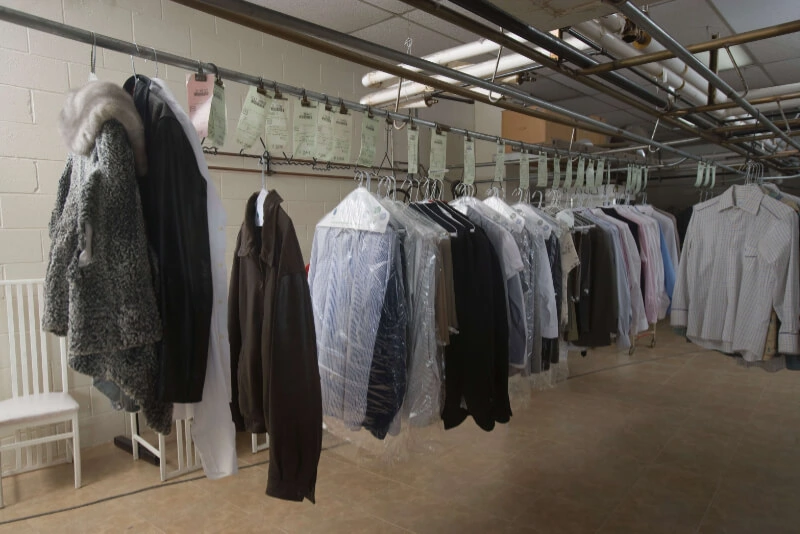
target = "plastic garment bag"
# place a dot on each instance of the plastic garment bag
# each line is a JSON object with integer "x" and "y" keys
{"x": 348, "y": 276}
{"x": 424, "y": 392}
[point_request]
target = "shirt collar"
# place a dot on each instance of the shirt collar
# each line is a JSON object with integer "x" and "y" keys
{"x": 744, "y": 197}
{"x": 249, "y": 229}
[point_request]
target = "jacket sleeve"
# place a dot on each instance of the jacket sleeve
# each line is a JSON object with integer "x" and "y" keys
{"x": 679, "y": 316}
{"x": 786, "y": 293}
{"x": 295, "y": 398}
{"x": 178, "y": 228}
{"x": 235, "y": 336}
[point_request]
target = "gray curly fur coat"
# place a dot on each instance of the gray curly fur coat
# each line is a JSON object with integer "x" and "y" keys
{"x": 99, "y": 283}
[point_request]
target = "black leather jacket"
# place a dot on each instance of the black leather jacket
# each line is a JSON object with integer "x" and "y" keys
{"x": 176, "y": 219}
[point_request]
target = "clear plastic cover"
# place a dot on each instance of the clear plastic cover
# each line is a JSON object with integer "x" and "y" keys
{"x": 381, "y": 363}
{"x": 425, "y": 366}
{"x": 348, "y": 277}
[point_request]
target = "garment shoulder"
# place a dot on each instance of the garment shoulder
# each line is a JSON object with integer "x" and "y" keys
{"x": 703, "y": 206}
{"x": 778, "y": 209}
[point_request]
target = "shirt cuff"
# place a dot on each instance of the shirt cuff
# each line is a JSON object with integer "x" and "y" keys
{"x": 788, "y": 343}
{"x": 679, "y": 317}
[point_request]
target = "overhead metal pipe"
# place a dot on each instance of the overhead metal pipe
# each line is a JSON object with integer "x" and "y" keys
{"x": 731, "y": 105}
{"x": 755, "y": 127}
{"x": 321, "y": 38}
{"x": 633, "y": 148}
{"x": 645, "y": 23}
{"x": 563, "y": 50}
{"x": 102, "y": 41}
{"x": 443, "y": 12}
{"x": 741, "y": 38}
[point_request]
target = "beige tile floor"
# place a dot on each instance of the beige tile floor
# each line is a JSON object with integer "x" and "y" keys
{"x": 680, "y": 440}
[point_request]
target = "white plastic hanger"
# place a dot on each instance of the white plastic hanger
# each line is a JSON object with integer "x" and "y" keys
{"x": 360, "y": 210}
{"x": 262, "y": 195}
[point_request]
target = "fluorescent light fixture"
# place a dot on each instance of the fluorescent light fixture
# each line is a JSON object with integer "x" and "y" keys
{"x": 724, "y": 61}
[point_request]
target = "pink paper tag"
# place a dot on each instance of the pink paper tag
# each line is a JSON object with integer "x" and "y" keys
{"x": 200, "y": 94}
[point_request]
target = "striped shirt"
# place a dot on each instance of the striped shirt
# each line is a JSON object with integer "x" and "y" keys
{"x": 739, "y": 262}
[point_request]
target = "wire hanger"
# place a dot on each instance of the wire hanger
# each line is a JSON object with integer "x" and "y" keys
{"x": 93, "y": 59}
{"x": 263, "y": 161}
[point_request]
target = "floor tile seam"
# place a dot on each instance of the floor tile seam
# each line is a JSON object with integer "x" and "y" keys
{"x": 709, "y": 506}
{"x": 383, "y": 520}
{"x": 618, "y": 505}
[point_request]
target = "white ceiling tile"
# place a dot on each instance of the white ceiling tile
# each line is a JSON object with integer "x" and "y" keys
{"x": 393, "y": 33}
{"x": 586, "y": 105}
{"x": 436, "y": 24}
{"x": 547, "y": 89}
{"x": 393, "y": 6}
{"x": 689, "y": 21}
{"x": 777, "y": 49}
{"x": 754, "y": 75}
{"x": 746, "y": 15}
{"x": 783, "y": 72}
{"x": 347, "y": 16}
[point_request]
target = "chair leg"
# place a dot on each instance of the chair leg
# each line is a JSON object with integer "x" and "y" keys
{"x": 76, "y": 451}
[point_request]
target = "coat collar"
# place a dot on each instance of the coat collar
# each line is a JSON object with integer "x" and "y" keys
{"x": 249, "y": 247}
{"x": 745, "y": 197}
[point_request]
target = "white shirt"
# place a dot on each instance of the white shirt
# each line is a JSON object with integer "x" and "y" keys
{"x": 656, "y": 300}
{"x": 739, "y": 262}
{"x": 213, "y": 430}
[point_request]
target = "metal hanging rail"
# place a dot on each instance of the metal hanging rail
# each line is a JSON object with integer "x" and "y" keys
{"x": 322, "y": 39}
{"x": 159, "y": 56}
{"x": 437, "y": 9}
{"x": 724, "y": 42}
{"x": 730, "y": 105}
{"x": 666, "y": 40}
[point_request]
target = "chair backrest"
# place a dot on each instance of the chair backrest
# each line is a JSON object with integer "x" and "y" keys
{"x": 33, "y": 371}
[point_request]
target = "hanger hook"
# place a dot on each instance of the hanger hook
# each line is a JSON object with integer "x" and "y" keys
{"x": 494, "y": 75}
{"x": 653, "y": 136}
{"x": 133, "y": 65}
{"x": 155, "y": 59}
{"x": 93, "y": 56}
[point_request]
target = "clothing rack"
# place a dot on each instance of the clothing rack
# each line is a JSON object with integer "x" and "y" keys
{"x": 158, "y": 56}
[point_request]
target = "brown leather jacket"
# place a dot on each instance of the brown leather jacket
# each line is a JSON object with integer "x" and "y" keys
{"x": 274, "y": 370}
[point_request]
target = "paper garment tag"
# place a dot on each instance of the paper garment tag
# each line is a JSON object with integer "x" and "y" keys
{"x": 218, "y": 118}
{"x": 500, "y": 163}
{"x": 469, "y": 161}
{"x": 579, "y": 179}
{"x": 413, "y": 149}
{"x": 568, "y": 174}
{"x": 541, "y": 176}
{"x": 278, "y": 125}
{"x": 323, "y": 138}
{"x": 369, "y": 136}
{"x": 304, "y": 129}
{"x": 590, "y": 174}
{"x": 342, "y": 137}
{"x": 525, "y": 171}
{"x": 252, "y": 119}
{"x": 556, "y": 172}
{"x": 438, "y": 161}
{"x": 199, "y": 95}
{"x": 598, "y": 175}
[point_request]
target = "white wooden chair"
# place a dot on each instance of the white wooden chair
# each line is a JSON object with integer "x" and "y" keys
{"x": 40, "y": 409}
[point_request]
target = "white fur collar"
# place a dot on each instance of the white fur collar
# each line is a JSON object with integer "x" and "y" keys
{"x": 88, "y": 108}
